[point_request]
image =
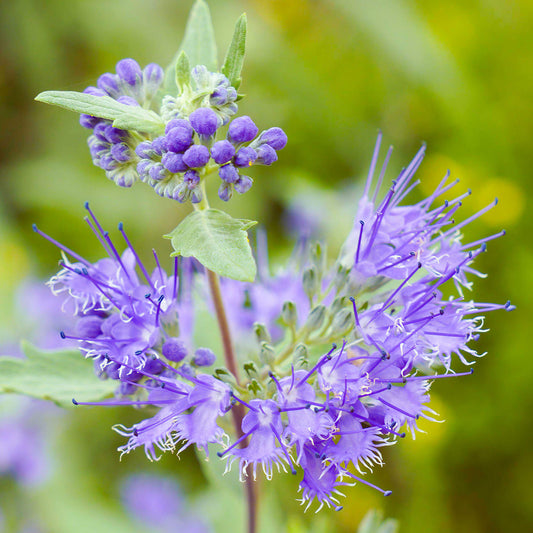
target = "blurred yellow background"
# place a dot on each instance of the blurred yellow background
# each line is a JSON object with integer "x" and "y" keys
{"x": 456, "y": 75}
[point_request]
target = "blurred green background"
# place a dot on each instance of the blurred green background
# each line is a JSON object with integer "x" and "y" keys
{"x": 454, "y": 74}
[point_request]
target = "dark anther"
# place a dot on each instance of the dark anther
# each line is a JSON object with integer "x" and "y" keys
{"x": 62, "y": 334}
{"x": 74, "y": 402}
{"x": 120, "y": 226}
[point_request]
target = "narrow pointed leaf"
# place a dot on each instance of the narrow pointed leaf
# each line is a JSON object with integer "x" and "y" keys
{"x": 235, "y": 56}
{"x": 218, "y": 241}
{"x": 183, "y": 71}
{"x": 124, "y": 116}
{"x": 198, "y": 43}
{"x": 58, "y": 376}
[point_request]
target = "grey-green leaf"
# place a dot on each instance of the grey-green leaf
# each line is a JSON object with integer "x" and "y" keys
{"x": 198, "y": 43}
{"x": 373, "y": 523}
{"x": 183, "y": 71}
{"x": 124, "y": 116}
{"x": 234, "y": 60}
{"x": 218, "y": 241}
{"x": 53, "y": 375}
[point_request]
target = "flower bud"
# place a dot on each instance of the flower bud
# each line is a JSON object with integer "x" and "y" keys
{"x": 153, "y": 76}
{"x": 274, "y": 137}
{"x": 129, "y": 71}
{"x": 245, "y": 157}
{"x": 128, "y": 100}
{"x": 107, "y": 83}
{"x": 179, "y": 139}
{"x": 289, "y": 314}
{"x": 174, "y": 162}
{"x": 228, "y": 173}
{"x": 191, "y": 178}
{"x": 204, "y": 121}
{"x": 225, "y": 192}
{"x": 242, "y": 130}
{"x": 243, "y": 184}
{"x": 196, "y": 156}
{"x": 300, "y": 356}
{"x": 342, "y": 322}
{"x": 316, "y": 318}
{"x": 222, "y": 152}
{"x": 266, "y": 155}
{"x": 261, "y": 332}
{"x": 319, "y": 257}
{"x": 204, "y": 357}
{"x": 267, "y": 353}
{"x": 310, "y": 282}
{"x": 174, "y": 350}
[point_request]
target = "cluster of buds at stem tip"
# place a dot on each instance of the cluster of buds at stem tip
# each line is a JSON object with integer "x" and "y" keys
{"x": 200, "y": 136}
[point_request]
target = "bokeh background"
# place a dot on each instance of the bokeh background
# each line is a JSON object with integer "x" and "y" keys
{"x": 454, "y": 74}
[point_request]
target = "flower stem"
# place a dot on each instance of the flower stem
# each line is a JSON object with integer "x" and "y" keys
{"x": 237, "y": 410}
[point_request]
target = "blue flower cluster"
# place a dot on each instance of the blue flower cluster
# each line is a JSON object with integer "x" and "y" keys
{"x": 128, "y": 324}
{"x": 173, "y": 163}
{"x": 382, "y": 305}
{"x": 113, "y": 149}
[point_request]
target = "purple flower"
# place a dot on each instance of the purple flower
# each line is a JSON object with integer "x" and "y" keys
{"x": 158, "y": 502}
{"x": 121, "y": 318}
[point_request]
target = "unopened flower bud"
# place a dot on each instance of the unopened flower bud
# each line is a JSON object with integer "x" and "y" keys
{"x": 261, "y": 332}
{"x": 289, "y": 314}
{"x": 316, "y": 318}
{"x": 204, "y": 121}
{"x": 222, "y": 152}
{"x": 267, "y": 353}
{"x": 204, "y": 357}
{"x": 241, "y": 130}
{"x": 311, "y": 283}
{"x": 129, "y": 71}
{"x": 243, "y": 184}
{"x": 274, "y": 137}
{"x": 342, "y": 322}
{"x": 174, "y": 350}
{"x": 196, "y": 156}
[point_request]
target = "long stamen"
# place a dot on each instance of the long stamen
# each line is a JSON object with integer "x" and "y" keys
{"x": 61, "y": 246}
{"x": 137, "y": 258}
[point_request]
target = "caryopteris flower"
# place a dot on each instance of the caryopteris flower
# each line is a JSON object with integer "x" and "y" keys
{"x": 192, "y": 146}
{"x": 343, "y": 357}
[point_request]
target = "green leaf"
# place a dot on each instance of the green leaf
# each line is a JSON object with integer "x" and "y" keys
{"x": 198, "y": 43}
{"x": 234, "y": 60}
{"x": 53, "y": 375}
{"x": 373, "y": 523}
{"x": 124, "y": 116}
{"x": 183, "y": 71}
{"x": 218, "y": 241}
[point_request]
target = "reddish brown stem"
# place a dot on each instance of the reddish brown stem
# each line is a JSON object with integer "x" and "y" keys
{"x": 237, "y": 410}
